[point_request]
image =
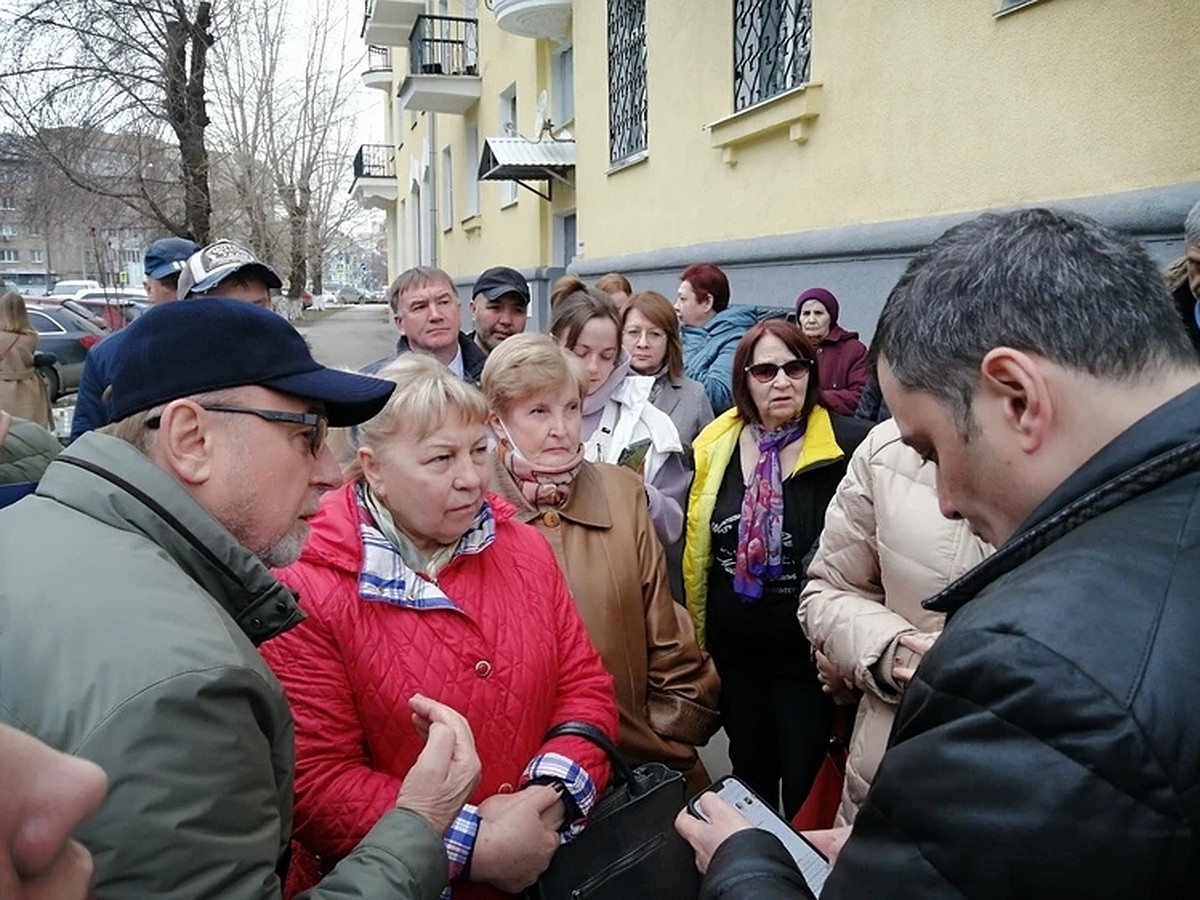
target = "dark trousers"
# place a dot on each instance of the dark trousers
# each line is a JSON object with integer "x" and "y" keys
{"x": 778, "y": 729}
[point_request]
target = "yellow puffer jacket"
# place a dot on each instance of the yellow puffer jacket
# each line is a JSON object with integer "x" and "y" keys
{"x": 714, "y": 448}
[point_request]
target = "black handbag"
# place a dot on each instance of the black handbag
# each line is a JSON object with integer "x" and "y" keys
{"x": 630, "y": 848}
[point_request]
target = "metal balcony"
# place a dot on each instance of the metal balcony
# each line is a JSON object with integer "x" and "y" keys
{"x": 443, "y": 64}
{"x": 375, "y": 185}
{"x": 386, "y": 23}
{"x": 534, "y": 18}
{"x": 378, "y": 73}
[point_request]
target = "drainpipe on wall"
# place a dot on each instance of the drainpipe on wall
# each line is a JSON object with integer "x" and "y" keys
{"x": 435, "y": 225}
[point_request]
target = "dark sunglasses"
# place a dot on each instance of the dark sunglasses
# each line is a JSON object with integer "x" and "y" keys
{"x": 318, "y": 425}
{"x": 794, "y": 369}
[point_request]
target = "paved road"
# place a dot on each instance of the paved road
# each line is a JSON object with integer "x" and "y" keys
{"x": 356, "y": 335}
{"x": 352, "y": 336}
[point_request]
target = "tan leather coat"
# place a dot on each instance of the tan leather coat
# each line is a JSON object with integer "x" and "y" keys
{"x": 885, "y": 548}
{"x": 605, "y": 543}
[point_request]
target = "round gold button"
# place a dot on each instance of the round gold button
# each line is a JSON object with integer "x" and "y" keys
{"x": 551, "y": 519}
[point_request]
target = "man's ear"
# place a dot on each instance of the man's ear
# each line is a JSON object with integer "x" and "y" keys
{"x": 398, "y": 321}
{"x": 1015, "y": 380}
{"x": 707, "y": 302}
{"x": 185, "y": 442}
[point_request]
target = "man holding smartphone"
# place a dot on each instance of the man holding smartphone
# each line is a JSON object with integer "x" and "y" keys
{"x": 1046, "y": 745}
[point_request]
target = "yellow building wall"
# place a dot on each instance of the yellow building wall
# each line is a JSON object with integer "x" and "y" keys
{"x": 517, "y": 234}
{"x": 927, "y": 107}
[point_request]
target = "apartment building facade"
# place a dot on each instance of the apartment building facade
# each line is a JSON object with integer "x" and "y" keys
{"x": 793, "y": 142}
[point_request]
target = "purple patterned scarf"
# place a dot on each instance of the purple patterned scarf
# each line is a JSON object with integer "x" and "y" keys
{"x": 760, "y": 531}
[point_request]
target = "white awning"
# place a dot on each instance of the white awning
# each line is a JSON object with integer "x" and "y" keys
{"x": 516, "y": 159}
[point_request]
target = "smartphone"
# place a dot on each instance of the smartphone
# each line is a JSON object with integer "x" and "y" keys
{"x": 635, "y": 454}
{"x": 809, "y": 860}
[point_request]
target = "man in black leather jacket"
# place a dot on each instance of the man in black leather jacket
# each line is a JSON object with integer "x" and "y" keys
{"x": 1047, "y": 746}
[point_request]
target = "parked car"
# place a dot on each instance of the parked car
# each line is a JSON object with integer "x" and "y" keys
{"x": 71, "y": 287}
{"x": 347, "y": 294}
{"x": 69, "y": 336}
{"x": 114, "y": 313}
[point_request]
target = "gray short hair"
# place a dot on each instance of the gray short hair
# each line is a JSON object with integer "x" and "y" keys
{"x": 1191, "y": 226}
{"x": 132, "y": 429}
{"x": 416, "y": 277}
{"x": 1056, "y": 284}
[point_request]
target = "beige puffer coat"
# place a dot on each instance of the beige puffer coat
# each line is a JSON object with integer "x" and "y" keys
{"x": 885, "y": 548}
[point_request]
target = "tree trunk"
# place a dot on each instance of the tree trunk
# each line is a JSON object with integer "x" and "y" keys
{"x": 187, "y": 114}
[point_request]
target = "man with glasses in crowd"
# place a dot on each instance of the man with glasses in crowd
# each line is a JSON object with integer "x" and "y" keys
{"x": 130, "y": 639}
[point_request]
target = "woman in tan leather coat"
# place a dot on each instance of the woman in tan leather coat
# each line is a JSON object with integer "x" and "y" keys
{"x": 885, "y": 548}
{"x": 596, "y": 518}
{"x": 22, "y": 392}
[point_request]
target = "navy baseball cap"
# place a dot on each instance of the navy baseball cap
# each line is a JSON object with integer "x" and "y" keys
{"x": 182, "y": 349}
{"x": 500, "y": 280}
{"x": 168, "y": 255}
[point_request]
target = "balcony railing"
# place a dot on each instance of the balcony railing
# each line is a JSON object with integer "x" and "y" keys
{"x": 444, "y": 45}
{"x": 379, "y": 59}
{"x": 375, "y": 161}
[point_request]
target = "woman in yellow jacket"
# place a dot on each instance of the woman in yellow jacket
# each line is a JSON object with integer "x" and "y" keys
{"x": 765, "y": 472}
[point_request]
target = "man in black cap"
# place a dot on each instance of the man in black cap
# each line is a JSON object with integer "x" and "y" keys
{"x": 163, "y": 261}
{"x": 136, "y": 649}
{"x": 499, "y": 306}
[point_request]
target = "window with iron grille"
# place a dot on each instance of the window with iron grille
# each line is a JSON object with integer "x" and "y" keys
{"x": 626, "y": 78}
{"x": 772, "y": 44}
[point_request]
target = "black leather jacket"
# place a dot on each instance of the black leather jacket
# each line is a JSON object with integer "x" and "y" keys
{"x": 1048, "y": 746}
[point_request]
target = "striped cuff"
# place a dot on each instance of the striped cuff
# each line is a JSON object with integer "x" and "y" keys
{"x": 460, "y": 839}
{"x": 577, "y": 783}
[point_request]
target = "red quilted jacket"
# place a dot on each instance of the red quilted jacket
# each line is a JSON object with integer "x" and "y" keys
{"x": 516, "y": 661}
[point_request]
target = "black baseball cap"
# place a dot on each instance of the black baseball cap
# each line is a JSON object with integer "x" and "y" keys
{"x": 500, "y": 280}
{"x": 182, "y": 349}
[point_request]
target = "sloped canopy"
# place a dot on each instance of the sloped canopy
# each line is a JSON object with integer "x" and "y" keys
{"x": 519, "y": 160}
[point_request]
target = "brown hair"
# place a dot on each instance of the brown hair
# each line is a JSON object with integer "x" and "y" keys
{"x": 793, "y": 338}
{"x": 614, "y": 282}
{"x": 14, "y": 316}
{"x": 661, "y": 314}
{"x": 526, "y": 364}
{"x": 574, "y": 305}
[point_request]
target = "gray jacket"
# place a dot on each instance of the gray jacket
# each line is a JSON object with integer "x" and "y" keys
{"x": 685, "y": 401}
{"x": 136, "y": 649}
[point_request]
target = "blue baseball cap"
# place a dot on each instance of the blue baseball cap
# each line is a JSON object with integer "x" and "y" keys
{"x": 168, "y": 255}
{"x": 182, "y": 349}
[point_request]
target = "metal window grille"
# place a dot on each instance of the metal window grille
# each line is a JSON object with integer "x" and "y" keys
{"x": 626, "y": 78}
{"x": 772, "y": 47}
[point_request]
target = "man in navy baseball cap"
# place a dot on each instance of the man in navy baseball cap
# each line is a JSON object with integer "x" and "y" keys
{"x": 147, "y": 665}
{"x": 163, "y": 261}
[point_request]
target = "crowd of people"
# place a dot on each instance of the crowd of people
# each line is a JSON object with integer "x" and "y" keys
{"x": 313, "y": 630}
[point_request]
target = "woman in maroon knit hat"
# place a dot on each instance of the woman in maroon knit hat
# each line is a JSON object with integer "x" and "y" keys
{"x": 841, "y": 356}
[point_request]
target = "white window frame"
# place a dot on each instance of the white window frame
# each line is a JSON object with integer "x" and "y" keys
{"x": 508, "y": 127}
{"x": 471, "y": 170}
{"x": 447, "y": 189}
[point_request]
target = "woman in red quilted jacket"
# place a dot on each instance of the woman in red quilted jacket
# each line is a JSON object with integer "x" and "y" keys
{"x": 417, "y": 580}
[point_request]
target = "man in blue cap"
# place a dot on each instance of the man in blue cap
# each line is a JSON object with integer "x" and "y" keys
{"x": 136, "y": 648}
{"x": 222, "y": 269}
{"x": 163, "y": 261}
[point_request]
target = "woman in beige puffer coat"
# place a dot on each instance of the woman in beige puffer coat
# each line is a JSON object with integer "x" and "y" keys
{"x": 885, "y": 548}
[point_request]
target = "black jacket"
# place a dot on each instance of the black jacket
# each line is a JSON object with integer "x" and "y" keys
{"x": 1185, "y": 302}
{"x": 1049, "y": 745}
{"x": 473, "y": 358}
